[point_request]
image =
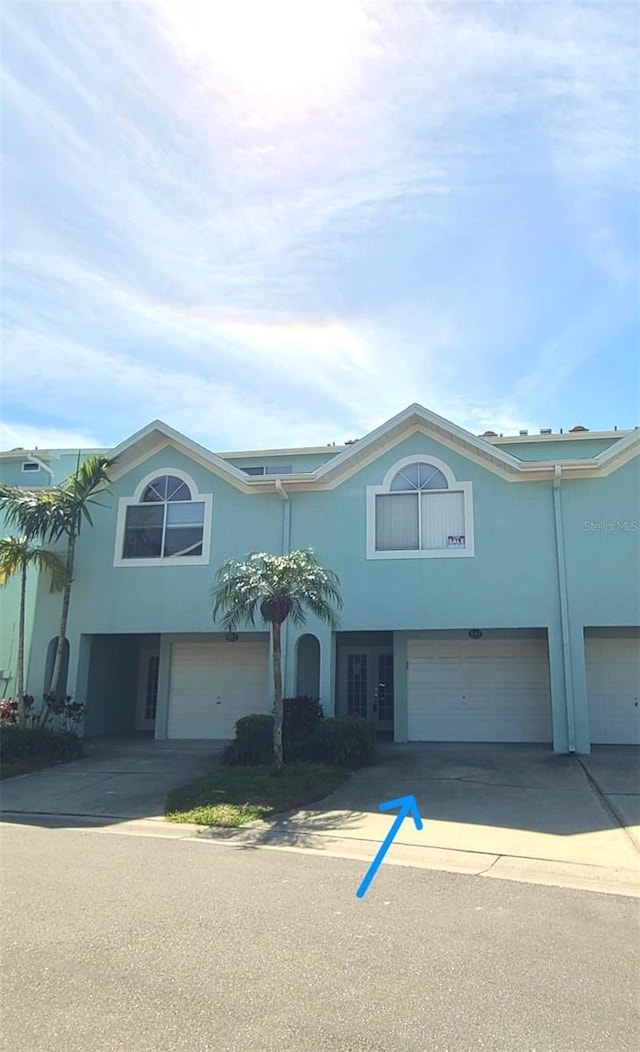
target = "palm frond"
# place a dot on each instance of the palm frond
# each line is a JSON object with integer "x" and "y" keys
{"x": 17, "y": 553}
{"x": 295, "y": 581}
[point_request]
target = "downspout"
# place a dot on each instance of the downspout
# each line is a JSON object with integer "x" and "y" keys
{"x": 564, "y": 608}
{"x": 286, "y": 547}
{"x": 286, "y": 517}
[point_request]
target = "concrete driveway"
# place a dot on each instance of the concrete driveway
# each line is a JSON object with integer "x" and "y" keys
{"x": 512, "y": 811}
{"x": 518, "y": 811}
{"x": 119, "y": 778}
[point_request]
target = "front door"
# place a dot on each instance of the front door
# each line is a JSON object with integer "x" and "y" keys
{"x": 366, "y": 685}
{"x": 147, "y": 690}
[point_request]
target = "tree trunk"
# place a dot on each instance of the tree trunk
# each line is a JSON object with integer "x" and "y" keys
{"x": 278, "y": 712}
{"x": 20, "y": 669}
{"x": 64, "y": 616}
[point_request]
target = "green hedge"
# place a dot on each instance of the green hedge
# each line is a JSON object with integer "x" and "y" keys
{"x": 253, "y": 743}
{"x": 345, "y": 742}
{"x": 341, "y": 742}
{"x": 17, "y": 742}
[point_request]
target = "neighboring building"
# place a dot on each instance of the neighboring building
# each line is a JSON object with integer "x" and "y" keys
{"x": 491, "y": 585}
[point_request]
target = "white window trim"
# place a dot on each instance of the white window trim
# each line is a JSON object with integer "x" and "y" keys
{"x": 183, "y": 560}
{"x": 466, "y": 488}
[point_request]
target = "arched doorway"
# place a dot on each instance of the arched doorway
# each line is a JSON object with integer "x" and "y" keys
{"x": 308, "y": 666}
{"x": 61, "y": 689}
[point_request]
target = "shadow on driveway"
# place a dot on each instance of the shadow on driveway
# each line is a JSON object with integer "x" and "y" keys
{"x": 483, "y": 797}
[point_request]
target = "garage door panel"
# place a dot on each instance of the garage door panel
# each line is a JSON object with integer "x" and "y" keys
{"x": 494, "y": 690}
{"x": 613, "y": 689}
{"x": 213, "y": 684}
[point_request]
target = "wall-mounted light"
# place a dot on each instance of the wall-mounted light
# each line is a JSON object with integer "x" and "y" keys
{"x": 475, "y": 633}
{"x": 232, "y": 637}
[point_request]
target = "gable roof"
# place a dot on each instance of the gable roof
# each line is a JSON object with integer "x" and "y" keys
{"x": 156, "y": 436}
{"x": 414, "y": 419}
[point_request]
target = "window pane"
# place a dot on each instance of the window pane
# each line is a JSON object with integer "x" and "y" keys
{"x": 166, "y": 487}
{"x": 254, "y": 470}
{"x": 142, "y": 543}
{"x": 143, "y": 532}
{"x": 183, "y": 540}
{"x": 156, "y": 490}
{"x": 357, "y": 685}
{"x": 443, "y": 518}
{"x": 177, "y": 489}
{"x": 185, "y": 514}
{"x": 143, "y": 515}
{"x": 431, "y": 478}
{"x": 407, "y": 478}
{"x": 397, "y": 522}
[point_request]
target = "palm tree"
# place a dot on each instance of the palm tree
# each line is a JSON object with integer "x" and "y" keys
{"x": 55, "y": 513}
{"x": 278, "y": 586}
{"x": 17, "y": 554}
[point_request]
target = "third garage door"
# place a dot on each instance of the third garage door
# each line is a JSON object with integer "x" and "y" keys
{"x": 484, "y": 690}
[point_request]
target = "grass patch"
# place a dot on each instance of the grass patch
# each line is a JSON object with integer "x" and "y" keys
{"x": 233, "y": 796}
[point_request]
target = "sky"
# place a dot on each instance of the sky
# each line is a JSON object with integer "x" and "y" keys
{"x": 277, "y": 223}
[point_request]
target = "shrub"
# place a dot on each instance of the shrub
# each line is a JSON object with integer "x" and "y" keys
{"x": 8, "y": 712}
{"x": 253, "y": 743}
{"x": 302, "y": 717}
{"x": 301, "y": 714}
{"x": 342, "y": 742}
{"x": 17, "y": 742}
{"x": 345, "y": 742}
{"x": 64, "y": 713}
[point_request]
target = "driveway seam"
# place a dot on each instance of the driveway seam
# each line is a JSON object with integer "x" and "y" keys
{"x": 610, "y": 806}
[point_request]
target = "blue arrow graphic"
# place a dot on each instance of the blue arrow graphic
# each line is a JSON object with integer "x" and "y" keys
{"x": 408, "y": 806}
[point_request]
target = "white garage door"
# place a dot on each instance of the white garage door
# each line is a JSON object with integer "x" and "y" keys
{"x": 213, "y": 684}
{"x": 613, "y": 687}
{"x": 484, "y": 690}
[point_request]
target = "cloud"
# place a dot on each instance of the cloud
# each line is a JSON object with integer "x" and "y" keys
{"x": 25, "y": 435}
{"x": 192, "y": 236}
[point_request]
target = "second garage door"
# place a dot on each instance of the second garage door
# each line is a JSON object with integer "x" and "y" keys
{"x": 613, "y": 685}
{"x": 485, "y": 690}
{"x": 213, "y": 684}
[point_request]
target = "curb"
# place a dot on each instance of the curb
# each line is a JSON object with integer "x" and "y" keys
{"x": 260, "y": 835}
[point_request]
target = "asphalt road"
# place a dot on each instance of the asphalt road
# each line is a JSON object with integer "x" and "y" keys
{"x": 116, "y": 942}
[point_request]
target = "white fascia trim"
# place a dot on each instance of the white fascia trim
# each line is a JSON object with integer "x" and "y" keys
{"x": 566, "y": 436}
{"x": 466, "y": 488}
{"x": 617, "y": 449}
{"x": 183, "y": 560}
{"x": 421, "y": 417}
{"x": 182, "y": 444}
{"x": 590, "y": 467}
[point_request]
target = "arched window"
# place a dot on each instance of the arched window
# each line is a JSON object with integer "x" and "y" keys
{"x": 167, "y": 523}
{"x": 418, "y": 475}
{"x": 419, "y": 510}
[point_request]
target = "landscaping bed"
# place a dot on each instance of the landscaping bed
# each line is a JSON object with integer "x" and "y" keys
{"x": 233, "y": 796}
{"x": 25, "y": 749}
